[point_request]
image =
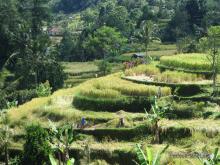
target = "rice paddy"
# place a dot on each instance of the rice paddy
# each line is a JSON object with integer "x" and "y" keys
{"x": 113, "y": 87}
{"x": 202, "y": 134}
{"x": 155, "y": 75}
{"x": 193, "y": 62}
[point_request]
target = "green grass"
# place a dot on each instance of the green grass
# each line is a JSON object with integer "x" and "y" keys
{"x": 79, "y": 72}
{"x": 79, "y": 67}
{"x": 161, "y": 47}
{"x": 192, "y": 62}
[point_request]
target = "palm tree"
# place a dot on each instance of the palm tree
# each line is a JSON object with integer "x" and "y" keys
{"x": 146, "y": 35}
{"x": 149, "y": 158}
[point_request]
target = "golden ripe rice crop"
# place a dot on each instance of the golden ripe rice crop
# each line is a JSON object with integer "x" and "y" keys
{"x": 143, "y": 69}
{"x": 114, "y": 87}
{"x": 166, "y": 77}
{"x": 193, "y": 61}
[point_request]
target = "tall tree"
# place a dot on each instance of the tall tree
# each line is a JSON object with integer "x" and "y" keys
{"x": 105, "y": 42}
{"x": 9, "y": 28}
{"x": 37, "y": 58}
{"x": 145, "y": 34}
{"x": 212, "y": 43}
{"x": 196, "y": 10}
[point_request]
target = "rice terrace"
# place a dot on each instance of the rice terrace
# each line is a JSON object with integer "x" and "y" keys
{"x": 117, "y": 82}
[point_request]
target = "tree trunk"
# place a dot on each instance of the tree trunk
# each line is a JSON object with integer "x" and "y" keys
{"x": 59, "y": 158}
{"x": 214, "y": 82}
{"x": 6, "y": 155}
{"x": 157, "y": 133}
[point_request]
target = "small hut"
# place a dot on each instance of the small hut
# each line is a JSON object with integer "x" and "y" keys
{"x": 137, "y": 56}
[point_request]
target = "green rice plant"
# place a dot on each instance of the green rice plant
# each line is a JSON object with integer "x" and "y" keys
{"x": 192, "y": 62}
{"x": 143, "y": 69}
{"x": 100, "y": 93}
{"x": 167, "y": 77}
{"x": 178, "y": 77}
{"x": 112, "y": 93}
{"x": 113, "y": 86}
{"x": 129, "y": 104}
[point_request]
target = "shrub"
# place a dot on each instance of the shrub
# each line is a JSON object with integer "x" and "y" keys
{"x": 187, "y": 110}
{"x": 189, "y": 90}
{"x": 44, "y": 89}
{"x": 18, "y": 96}
{"x": 3, "y": 101}
{"x": 104, "y": 67}
{"x": 22, "y": 96}
{"x": 36, "y": 147}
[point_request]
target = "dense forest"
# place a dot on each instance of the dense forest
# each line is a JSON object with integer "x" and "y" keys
{"x": 102, "y": 82}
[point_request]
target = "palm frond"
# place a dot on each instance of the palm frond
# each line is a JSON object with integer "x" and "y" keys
{"x": 52, "y": 160}
{"x": 141, "y": 156}
{"x": 149, "y": 155}
{"x": 158, "y": 155}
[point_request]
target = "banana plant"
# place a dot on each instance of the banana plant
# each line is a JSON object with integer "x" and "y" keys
{"x": 157, "y": 114}
{"x": 214, "y": 158}
{"x": 53, "y": 161}
{"x": 148, "y": 158}
{"x": 61, "y": 142}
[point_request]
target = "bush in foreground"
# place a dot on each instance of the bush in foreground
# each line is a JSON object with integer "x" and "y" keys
{"x": 36, "y": 147}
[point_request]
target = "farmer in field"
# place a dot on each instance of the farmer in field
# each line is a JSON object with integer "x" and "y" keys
{"x": 83, "y": 123}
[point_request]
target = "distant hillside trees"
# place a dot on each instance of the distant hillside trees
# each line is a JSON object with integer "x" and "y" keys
{"x": 104, "y": 43}
{"x": 26, "y": 50}
{"x": 69, "y": 6}
{"x": 189, "y": 20}
{"x": 9, "y": 30}
{"x": 174, "y": 21}
{"x": 36, "y": 61}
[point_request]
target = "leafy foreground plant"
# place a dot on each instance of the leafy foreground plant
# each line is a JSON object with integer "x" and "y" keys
{"x": 61, "y": 142}
{"x": 214, "y": 159}
{"x": 157, "y": 114}
{"x": 5, "y": 136}
{"x": 149, "y": 158}
{"x": 36, "y": 147}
